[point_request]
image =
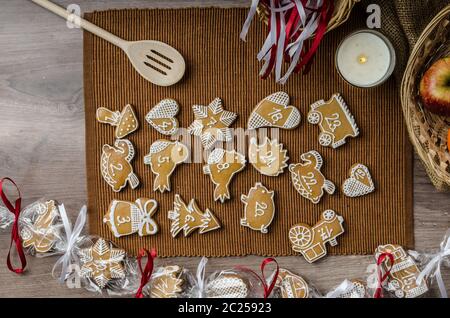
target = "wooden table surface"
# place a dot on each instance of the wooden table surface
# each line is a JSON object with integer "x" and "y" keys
{"x": 42, "y": 144}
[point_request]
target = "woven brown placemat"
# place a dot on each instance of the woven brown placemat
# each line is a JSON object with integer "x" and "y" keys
{"x": 220, "y": 65}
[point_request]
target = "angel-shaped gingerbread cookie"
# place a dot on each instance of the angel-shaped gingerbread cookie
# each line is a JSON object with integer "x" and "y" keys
{"x": 222, "y": 166}
{"x": 307, "y": 178}
{"x": 163, "y": 157}
{"x": 116, "y": 165}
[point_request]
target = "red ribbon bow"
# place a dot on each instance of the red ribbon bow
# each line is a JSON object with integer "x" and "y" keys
{"x": 382, "y": 278}
{"x": 146, "y": 273}
{"x": 15, "y": 237}
{"x": 267, "y": 288}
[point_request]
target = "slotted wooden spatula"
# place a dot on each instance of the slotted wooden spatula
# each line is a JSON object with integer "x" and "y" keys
{"x": 156, "y": 61}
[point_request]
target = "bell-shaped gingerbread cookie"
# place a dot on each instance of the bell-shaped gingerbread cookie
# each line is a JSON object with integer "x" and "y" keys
{"x": 307, "y": 178}
{"x": 116, "y": 166}
{"x": 163, "y": 158}
{"x": 126, "y": 218}
{"x": 222, "y": 166}
{"x": 125, "y": 122}
{"x": 274, "y": 111}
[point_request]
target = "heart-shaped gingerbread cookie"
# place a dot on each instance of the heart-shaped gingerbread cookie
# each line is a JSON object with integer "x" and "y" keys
{"x": 162, "y": 117}
{"x": 360, "y": 182}
{"x": 274, "y": 111}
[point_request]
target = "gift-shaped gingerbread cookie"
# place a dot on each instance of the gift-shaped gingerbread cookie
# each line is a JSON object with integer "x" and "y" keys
{"x": 116, "y": 166}
{"x": 259, "y": 208}
{"x": 222, "y": 166}
{"x": 310, "y": 241}
{"x": 41, "y": 233}
{"x": 125, "y": 121}
{"x": 126, "y": 218}
{"x": 335, "y": 121}
{"x": 163, "y": 158}
{"x": 102, "y": 263}
{"x": 269, "y": 158}
{"x": 166, "y": 282}
{"x": 274, "y": 111}
{"x": 212, "y": 123}
{"x": 189, "y": 217}
{"x": 162, "y": 117}
{"x": 307, "y": 178}
{"x": 402, "y": 278}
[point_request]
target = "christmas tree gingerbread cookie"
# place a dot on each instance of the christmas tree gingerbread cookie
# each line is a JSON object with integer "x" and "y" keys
{"x": 259, "y": 208}
{"x": 126, "y": 218}
{"x": 222, "y": 166}
{"x": 307, "y": 178}
{"x": 335, "y": 121}
{"x": 41, "y": 234}
{"x": 212, "y": 123}
{"x": 116, "y": 166}
{"x": 163, "y": 158}
{"x": 269, "y": 158}
{"x": 125, "y": 122}
{"x": 102, "y": 263}
{"x": 310, "y": 241}
{"x": 360, "y": 182}
{"x": 162, "y": 117}
{"x": 187, "y": 218}
{"x": 274, "y": 111}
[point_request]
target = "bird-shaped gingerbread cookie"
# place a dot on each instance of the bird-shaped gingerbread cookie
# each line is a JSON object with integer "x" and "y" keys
{"x": 307, "y": 178}
{"x": 116, "y": 165}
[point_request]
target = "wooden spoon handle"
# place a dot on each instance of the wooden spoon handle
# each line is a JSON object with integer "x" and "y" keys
{"x": 88, "y": 26}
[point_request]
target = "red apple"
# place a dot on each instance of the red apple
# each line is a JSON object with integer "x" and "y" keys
{"x": 435, "y": 87}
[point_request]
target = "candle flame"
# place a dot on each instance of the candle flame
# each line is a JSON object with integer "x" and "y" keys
{"x": 362, "y": 59}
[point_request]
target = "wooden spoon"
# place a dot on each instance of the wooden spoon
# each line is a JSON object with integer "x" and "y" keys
{"x": 156, "y": 61}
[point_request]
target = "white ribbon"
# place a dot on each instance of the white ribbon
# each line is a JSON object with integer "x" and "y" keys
{"x": 200, "y": 276}
{"x": 434, "y": 266}
{"x": 249, "y": 19}
{"x": 343, "y": 288}
{"x": 72, "y": 236}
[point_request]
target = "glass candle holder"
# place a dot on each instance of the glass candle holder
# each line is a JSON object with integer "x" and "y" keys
{"x": 365, "y": 58}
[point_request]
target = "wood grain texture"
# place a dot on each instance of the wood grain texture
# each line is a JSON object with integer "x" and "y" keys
{"x": 42, "y": 144}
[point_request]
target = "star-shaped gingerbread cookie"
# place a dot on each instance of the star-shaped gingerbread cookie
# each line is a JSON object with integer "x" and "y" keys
{"x": 212, "y": 123}
{"x": 102, "y": 262}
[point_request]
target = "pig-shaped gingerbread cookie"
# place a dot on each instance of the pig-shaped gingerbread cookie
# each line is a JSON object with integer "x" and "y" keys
{"x": 259, "y": 208}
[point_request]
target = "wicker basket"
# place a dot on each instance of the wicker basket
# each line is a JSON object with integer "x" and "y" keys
{"x": 428, "y": 132}
{"x": 342, "y": 9}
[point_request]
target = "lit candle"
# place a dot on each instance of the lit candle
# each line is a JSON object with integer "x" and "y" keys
{"x": 365, "y": 58}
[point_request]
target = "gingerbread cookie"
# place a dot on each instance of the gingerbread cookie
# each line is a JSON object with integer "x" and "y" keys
{"x": 274, "y": 111}
{"x": 40, "y": 233}
{"x": 162, "y": 117}
{"x": 189, "y": 217}
{"x": 212, "y": 123}
{"x": 116, "y": 165}
{"x": 227, "y": 285}
{"x": 102, "y": 263}
{"x": 166, "y": 282}
{"x": 307, "y": 178}
{"x": 360, "y": 182}
{"x": 222, "y": 166}
{"x": 291, "y": 285}
{"x": 126, "y": 218}
{"x": 125, "y": 122}
{"x": 402, "y": 279}
{"x": 259, "y": 208}
{"x": 310, "y": 241}
{"x": 335, "y": 121}
{"x": 269, "y": 158}
{"x": 163, "y": 158}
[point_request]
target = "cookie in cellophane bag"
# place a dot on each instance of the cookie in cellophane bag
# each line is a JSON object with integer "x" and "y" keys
{"x": 233, "y": 283}
{"x": 290, "y": 285}
{"x": 169, "y": 281}
{"x": 41, "y": 229}
{"x": 351, "y": 288}
{"x": 6, "y": 218}
{"x": 104, "y": 267}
